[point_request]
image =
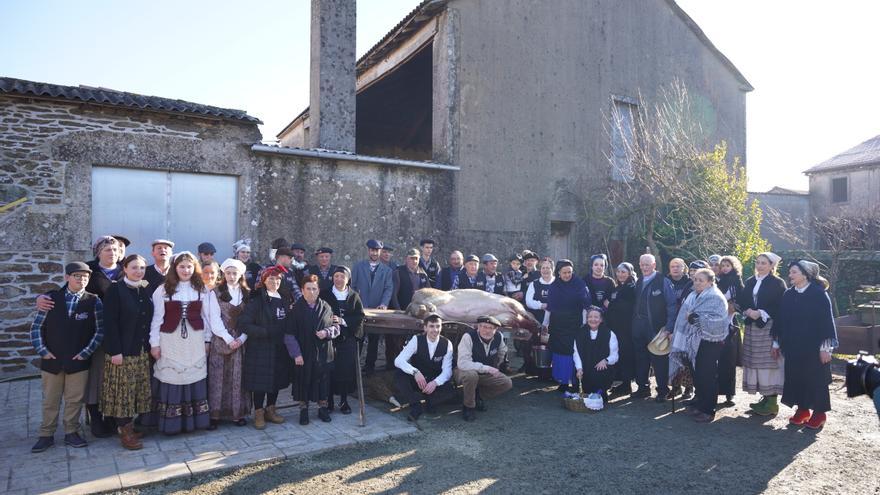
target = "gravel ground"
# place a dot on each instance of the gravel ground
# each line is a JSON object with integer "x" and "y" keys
{"x": 527, "y": 443}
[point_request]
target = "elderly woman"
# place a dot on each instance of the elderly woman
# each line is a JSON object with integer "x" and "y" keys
{"x": 242, "y": 252}
{"x": 700, "y": 330}
{"x": 595, "y": 354}
{"x": 565, "y": 315}
{"x": 806, "y": 335}
{"x": 184, "y": 312}
{"x": 730, "y": 284}
{"x": 763, "y": 370}
{"x": 105, "y": 270}
{"x": 226, "y": 395}
{"x": 315, "y": 326}
{"x": 266, "y": 321}
{"x": 348, "y": 312}
{"x": 620, "y": 318}
{"x": 128, "y": 312}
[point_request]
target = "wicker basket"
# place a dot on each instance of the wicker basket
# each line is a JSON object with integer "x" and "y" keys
{"x": 576, "y": 405}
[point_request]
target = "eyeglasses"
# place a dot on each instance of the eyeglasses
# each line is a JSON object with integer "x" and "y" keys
{"x": 80, "y": 276}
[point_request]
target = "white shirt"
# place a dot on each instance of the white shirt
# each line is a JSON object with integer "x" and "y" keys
{"x": 758, "y": 280}
{"x": 402, "y": 359}
{"x": 531, "y": 303}
{"x": 612, "y": 350}
{"x": 185, "y": 292}
{"x": 223, "y": 332}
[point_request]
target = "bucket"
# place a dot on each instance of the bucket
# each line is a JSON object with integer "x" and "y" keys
{"x": 541, "y": 356}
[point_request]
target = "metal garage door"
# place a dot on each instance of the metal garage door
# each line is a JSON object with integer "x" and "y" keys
{"x": 145, "y": 204}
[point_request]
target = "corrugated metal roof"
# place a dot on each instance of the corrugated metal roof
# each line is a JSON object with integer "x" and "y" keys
{"x": 867, "y": 153}
{"x": 104, "y": 96}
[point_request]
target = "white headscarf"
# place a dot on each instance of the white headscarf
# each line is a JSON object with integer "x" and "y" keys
{"x": 773, "y": 257}
{"x": 240, "y": 245}
{"x": 233, "y": 262}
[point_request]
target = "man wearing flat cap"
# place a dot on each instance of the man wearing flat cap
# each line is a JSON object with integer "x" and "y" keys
{"x": 65, "y": 337}
{"x": 374, "y": 282}
{"x": 124, "y": 242}
{"x": 424, "y": 369}
{"x": 470, "y": 272}
{"x": 162, "y": 251}
{"x": 427, "y": 261}
{"x": 482, "y": 358}
{"x": 489, "y": 279}
{"x": 290, "y": 277}
{"x": 299, "y": 259}
{"x": 407, "y": 280}
{"x": 386, "y": 255}
{"x": 206, "y": 253}
{"x": 449, "y": 278}
{"x": 324, "y": 269}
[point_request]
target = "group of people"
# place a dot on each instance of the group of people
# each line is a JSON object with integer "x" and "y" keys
{"x": 186, "y": 342}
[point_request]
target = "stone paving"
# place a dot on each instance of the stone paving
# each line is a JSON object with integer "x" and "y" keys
{"x": 105, "y": 465}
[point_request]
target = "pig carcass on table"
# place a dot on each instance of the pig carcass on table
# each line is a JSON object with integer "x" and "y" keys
{"x": 466, "y": 305}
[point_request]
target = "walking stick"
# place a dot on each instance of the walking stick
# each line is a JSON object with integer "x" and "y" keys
{"x": 360, "y": 386}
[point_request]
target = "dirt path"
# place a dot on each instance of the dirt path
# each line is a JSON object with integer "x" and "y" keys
{"x": 527, "y": 443}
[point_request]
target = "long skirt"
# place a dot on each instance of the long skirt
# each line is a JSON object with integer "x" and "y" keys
{"x": 806, "y": 381}
{"x": 126, "y": 391}
{"x": 761, "y": 372}
{"x": 563, "y": 368}
{"x": 96, "y": 378}
{"x": 183, "y": 408}
{"x": 344, "y": 367}
{"x": 730, "y": 357}
{"x": 227, "y": 399}
{"x": 313, "y": 381}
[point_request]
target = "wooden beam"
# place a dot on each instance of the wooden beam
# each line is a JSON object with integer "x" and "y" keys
{"x": 398, "y": 56}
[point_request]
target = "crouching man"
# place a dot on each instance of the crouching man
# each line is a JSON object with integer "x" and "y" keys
{"x": 65, "y": 338}
{"x": 482, "y": 358}
{"x": 424, "y": 368}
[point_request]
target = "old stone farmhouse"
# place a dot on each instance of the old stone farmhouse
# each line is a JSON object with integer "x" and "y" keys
{"x": 469, "y": 122}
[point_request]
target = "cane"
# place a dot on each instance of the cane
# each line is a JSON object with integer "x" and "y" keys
{"x": 360, "y": 386}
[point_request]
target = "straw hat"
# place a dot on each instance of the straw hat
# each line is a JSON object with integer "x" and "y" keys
{"x": 659, "y": 345}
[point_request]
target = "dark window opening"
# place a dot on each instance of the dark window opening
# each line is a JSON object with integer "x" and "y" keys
{"x": 394, "y": 115}
{"x": 839, "y": 192}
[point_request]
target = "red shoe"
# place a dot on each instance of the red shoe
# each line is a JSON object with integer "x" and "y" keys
{"x": 817, "y": 420}
{"x": 800, "y": 416}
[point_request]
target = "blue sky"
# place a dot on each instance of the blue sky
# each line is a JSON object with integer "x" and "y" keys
{"x": 813, "y": 64}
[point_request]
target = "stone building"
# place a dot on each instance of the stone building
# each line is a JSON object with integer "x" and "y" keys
{"x": 848, "y": 183}
{"x": 787, "y": 218}
{"x": 468, "y": 122}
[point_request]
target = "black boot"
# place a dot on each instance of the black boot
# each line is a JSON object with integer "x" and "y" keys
{"x": 344, "y": 408}
{"x": 304, "y": 416}
{"x": 324, "y": 414}
{"x": 468, "y": 413}
{"x": 99, "y": 429}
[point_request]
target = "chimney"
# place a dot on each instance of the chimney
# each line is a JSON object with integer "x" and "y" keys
{"x": 332, "y": 85}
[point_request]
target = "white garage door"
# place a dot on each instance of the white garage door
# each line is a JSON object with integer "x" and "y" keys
{"x": 145, "y": 204}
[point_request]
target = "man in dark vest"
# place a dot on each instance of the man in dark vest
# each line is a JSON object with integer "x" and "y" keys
{"x": 386, "y": 255}
{"x": 407, "y": 280}
{"x": 427, "y": 262}
{"x": 324, "y": 269}
{"x": 654, "y": 312}
{"x": 482, "y": 360}
{"x": 449, "y": 278}
{"x": 65, "y": 338}
{"x": 489, "y": 279}
{"x": 424, "y": 369}
{"x": 468, "y": 277}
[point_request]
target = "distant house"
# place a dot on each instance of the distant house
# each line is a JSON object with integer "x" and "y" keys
{"x": 787, "y": 218}
{"x": 847, "y": 184}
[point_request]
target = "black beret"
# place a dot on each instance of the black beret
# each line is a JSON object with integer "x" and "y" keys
{"x": 431, "y": 316}
{"x": 296, "y": 246}
{"x": 387, "y": 247}
{"x": 124, "y": 240}
{"x": 374, "y": 244}
{"x": 323, "y": 250}
{"x": 489, "y": 319}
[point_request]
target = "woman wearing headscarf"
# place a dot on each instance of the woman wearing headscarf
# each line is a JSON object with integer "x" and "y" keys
{"x": 565, "y": 316}
{"x": 348, "y": 312}
{"x": 105, "y": 270}
{"x": 184, "y": 314}
{"x": 227, "y": 398}
{"x": 730, "y": 284}
{"x": 759, "y": 304}
{"x": 242, "y": 252}
{"x": 805, "y": 334}
{"x": 620, "y": 317}
{"x": 595, "y": 354}
{"x": 128, "y": 312}
{"x": 266, "y": 321}
{"x": 598, "y": 281}
{"x": 700, "y": 330}
{"x": 314, "y": 328}
{"x": 537, "y": 295}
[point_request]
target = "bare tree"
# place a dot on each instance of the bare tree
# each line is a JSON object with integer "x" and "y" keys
{"x": 670, "y": 186}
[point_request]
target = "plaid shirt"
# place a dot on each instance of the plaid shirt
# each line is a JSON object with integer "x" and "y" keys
{"x": 71, "y": 300}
